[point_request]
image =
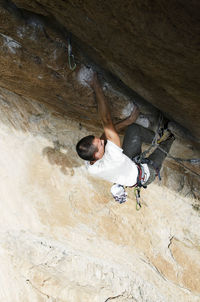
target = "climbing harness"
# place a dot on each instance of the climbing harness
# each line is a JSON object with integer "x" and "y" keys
{"x": 141, "y": 176}
{"x": 71, "y": 60}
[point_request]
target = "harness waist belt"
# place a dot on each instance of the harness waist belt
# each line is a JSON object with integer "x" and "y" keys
{"x": 141, "y": 175}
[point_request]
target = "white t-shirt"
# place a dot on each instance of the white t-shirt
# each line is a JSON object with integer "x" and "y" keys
{"x": 116, "y": 167}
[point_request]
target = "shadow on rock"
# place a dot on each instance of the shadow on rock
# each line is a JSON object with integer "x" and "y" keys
{"x": 64, "y": 161}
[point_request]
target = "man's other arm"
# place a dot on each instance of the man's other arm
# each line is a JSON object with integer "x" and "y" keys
{"x": 126, "y": 122}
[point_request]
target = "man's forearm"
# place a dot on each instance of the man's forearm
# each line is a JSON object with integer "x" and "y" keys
{"x": 129, "y": 120}
{"x": 104, "y": 112}
{"x": 122, "y": 124}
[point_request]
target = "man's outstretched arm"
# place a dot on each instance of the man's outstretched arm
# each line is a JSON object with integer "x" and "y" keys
{"x": 104, "y": 112}
{"x": 110, "y": 130}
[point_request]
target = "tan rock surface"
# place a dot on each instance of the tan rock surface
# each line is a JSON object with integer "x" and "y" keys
{"x": 63, "y": 238}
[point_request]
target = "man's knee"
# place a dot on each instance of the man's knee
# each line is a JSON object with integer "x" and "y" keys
{"x": 133, "y": 129}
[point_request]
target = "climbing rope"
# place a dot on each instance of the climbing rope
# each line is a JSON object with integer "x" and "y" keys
{"x": 180, "y": 160}
{"x": 71, "y": 60}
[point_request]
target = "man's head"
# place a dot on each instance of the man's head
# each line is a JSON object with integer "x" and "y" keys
{"x": 90, "y": 148}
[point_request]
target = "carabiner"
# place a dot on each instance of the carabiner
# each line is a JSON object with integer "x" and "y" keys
{"x": 71, "y": 60}
{"x": 137, "y": 196}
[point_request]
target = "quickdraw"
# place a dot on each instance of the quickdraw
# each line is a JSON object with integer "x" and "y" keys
{"x": 71, "y": 60}
{"x": 137, "y": 196}
{"x": 138, "y": 186}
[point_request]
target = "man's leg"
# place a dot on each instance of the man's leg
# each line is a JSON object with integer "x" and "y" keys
{"x": 158, "y": 156}
{"x": 134, "y": 137}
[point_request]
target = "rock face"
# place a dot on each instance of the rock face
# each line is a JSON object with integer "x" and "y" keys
{"x": 150, "y": 47}
{"x": 63, "y": 238}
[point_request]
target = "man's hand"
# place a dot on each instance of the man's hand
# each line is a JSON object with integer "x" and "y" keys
{"x": 134, "y": 114}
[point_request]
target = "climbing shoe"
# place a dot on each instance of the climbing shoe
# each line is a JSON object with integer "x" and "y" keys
{"x": 164, "y": 134}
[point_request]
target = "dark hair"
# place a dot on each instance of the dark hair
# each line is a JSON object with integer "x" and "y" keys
{"x": 85, "y": 148}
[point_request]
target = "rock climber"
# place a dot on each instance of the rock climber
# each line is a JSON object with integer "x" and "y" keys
{"x": 108, "y": 160}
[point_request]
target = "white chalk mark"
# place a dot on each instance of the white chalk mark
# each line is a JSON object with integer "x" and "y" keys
{"x": 21, "y": 31}
{"x": 143, "y": 121}
{"x": 10, "y": 43}
{"x": 127, "y": 109}
{"x": 85, "y": 75}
